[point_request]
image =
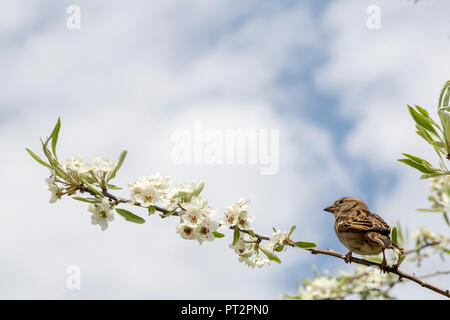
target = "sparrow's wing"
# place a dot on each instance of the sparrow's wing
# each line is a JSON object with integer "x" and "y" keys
{"x": 362, "y": 220}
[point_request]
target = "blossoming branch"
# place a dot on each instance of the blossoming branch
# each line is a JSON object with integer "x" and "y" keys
{"x": 89, "y": 182}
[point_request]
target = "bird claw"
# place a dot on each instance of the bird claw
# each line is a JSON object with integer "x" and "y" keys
{"x": 348, "y": 257}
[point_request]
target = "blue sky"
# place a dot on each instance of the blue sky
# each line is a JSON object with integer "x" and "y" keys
{"x": 137, "y": 71}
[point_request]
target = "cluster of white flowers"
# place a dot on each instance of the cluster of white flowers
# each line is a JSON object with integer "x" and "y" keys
{"x": 151, "y": 190}
{"x": 424, "y": 235}
{"x": 248, "y": 254}
{"x": 278, "y": 238}
{"x": 98, "y": 166}
{"x": 368, "y": 278}
{"x": 320, "y": 288}
{"x": 365, "y": 281}
{"x": 196, "y": 222}
{"x": 440, "y": 197}
{"x": 236, "y": 216}
{"x": 173, "y": 198}
{"x": 55, "y": 190}
{"x": 102, "y": 213}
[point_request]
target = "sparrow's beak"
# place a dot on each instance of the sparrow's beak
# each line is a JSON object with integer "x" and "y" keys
{"x": 329, "y": 209}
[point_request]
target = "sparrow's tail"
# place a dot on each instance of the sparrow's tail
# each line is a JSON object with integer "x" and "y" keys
{"x": 384, "y": 241}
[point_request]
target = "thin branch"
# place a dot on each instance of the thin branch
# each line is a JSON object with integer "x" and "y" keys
{"x": 400, "y": 273}
{"x": 434, "y": 274}
{"x": 328, "y": 252}
{"x": 426, "y": 245}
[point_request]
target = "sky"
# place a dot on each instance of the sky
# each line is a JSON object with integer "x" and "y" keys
{"x": 136, "y": 72}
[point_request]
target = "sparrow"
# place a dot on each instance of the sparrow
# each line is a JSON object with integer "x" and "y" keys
{"x": 360, "y": 230}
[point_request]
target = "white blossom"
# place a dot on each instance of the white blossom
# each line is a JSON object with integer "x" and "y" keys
{"x": 236, "y": 215}
{"x": 55, "y": 190}
{"x": 149, "y": 190}
{"x": 195, "y": 211}
{"x": 101, "y": 213}
{"x": 204, "y": 231}
{"x": 320, "y": 288}
{"x": 277, "y": 238}
{"x": 173, "y": 198}
{"x": 186, "y": 231}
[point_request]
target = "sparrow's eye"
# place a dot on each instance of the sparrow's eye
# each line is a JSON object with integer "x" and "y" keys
{"x": 342, "y": 201}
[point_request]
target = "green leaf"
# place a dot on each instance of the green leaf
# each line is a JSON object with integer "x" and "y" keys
{"x": 270, "y": 255}
{"x": 247, "y": 254}
{"x": 394, "y": 235}
{"x": 291, "y": 231}
{"x": 422, "y": 111}
{"x": 168, "y": 213}
{"x": 304, "y": 245}
{"x": 39, "y": 160}
{"x": 151, "y": 209}
{"x": 446, "y": 218}
{"x": 198, "y": 190}
{"x": 430, "y": 210}
{"x": 417, "y": 166}
{"x": 120, "y": 161}
{"x": 422, "y": 121}
{"x": 443, "y": 90}
{"x": 87, "y": 184}
{"x": 434, "y": 175}
{"x": 88, "y": 200}
{"x": 54, "y": 135}
{"x": 113, "y": 187}
{"x": 130, "y": 216}
{"x": 400, "y": 260}
{"x": 218, "y": 234}
{"x": 279, "y": 248}
{"x": 236, "y": 235}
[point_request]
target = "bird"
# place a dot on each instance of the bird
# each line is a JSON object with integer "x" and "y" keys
{"x": 360, "y": 230}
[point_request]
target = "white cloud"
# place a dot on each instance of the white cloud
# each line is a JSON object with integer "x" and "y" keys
{"x": 128, "y": 78}
{"x": 376, "y": 74}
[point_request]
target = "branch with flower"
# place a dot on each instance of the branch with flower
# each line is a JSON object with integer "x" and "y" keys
{"x": 324, "y": 286}
{"x": 367, "y": 281}
{"x": 90, "y": 182}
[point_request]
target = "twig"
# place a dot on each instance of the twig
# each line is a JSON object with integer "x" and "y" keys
{"x": 328, "y": 252}
{"x": 400, "y": 273}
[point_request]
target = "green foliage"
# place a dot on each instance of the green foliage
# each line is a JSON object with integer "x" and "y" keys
{"x": 304, "y": 245}
{"x": 270, "y": 255}
{"x": 128, "y": 216}
{"x": 437, "y": 135}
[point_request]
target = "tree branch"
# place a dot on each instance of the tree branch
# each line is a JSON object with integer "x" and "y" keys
{"x": 401, "y": 274}
{"x": 328, "y": 252}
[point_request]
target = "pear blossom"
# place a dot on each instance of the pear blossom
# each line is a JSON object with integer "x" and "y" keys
{"x": 256, "y": 261}
{"x": 101, "y": 213}
{"x": 100, "y": 164}
{"x": 204, "y": 231}
{"x": 173, "y": 198}
{"x": 74, "y": 163}
{"x": 149, "y": 190}
{"x": 320, "y": 288}
{"x": 236, "y": 215}
{"x": 186, "y": 231}
{"x": 55, "y": 190}
{"x": 195, "y": 211}
{"x": 277, "y": 238}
